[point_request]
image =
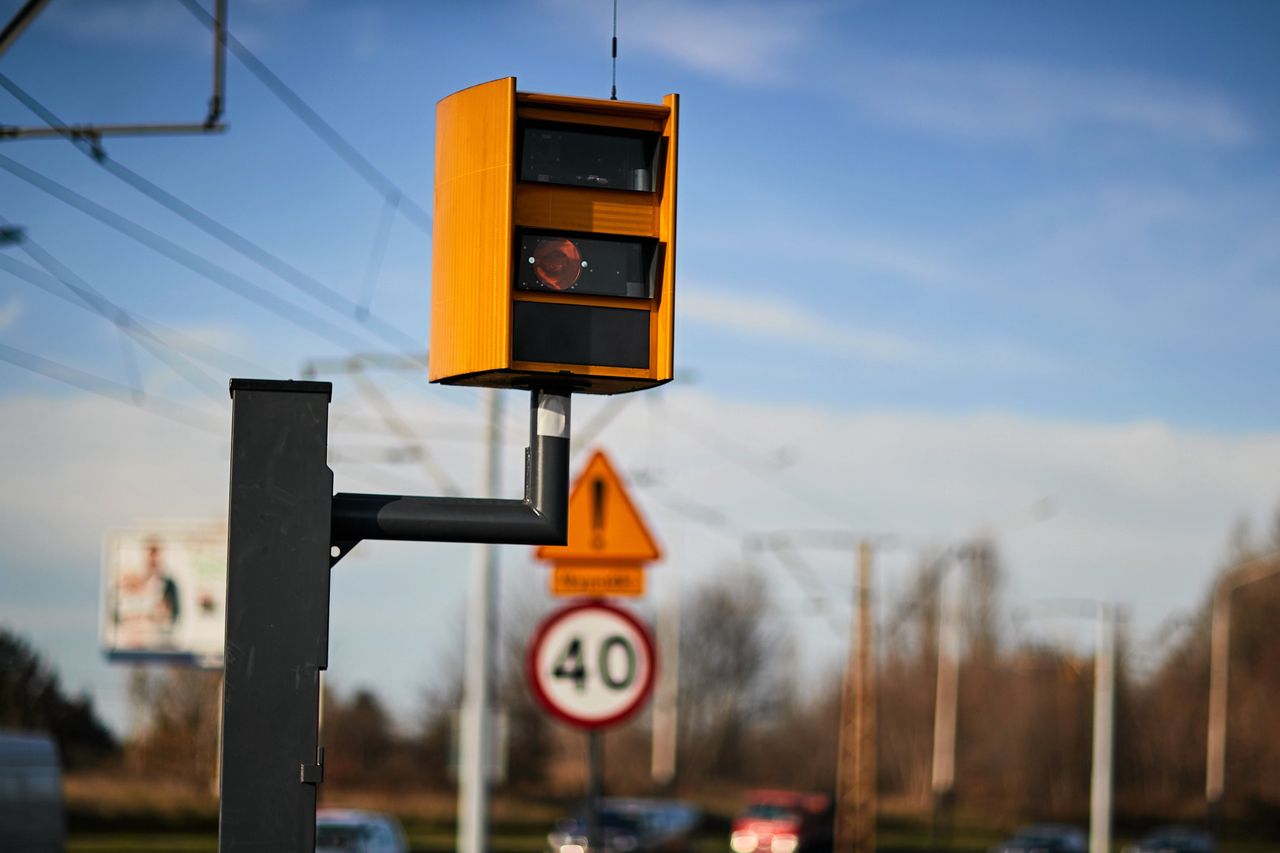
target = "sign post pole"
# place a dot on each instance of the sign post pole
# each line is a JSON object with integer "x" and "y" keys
{"x": 592, "y": 665}
{"x": 595, "y": 784}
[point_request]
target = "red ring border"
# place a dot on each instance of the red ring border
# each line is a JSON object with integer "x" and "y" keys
{"x": 531, "y": 669}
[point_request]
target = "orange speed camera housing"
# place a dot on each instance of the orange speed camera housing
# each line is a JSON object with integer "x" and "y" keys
{"x": 553, "y": 253}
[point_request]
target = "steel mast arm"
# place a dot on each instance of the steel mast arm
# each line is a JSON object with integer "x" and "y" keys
{"x": 540, "y": 518}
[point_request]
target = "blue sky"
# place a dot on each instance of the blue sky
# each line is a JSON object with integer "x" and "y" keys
{"x": 945, "y": 259}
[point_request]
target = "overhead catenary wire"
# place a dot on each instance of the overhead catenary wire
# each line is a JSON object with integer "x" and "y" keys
{"x": 414, "y": 448}
{"x": 269, "y": 261}
{"x": 198, "y": 264}
{"x": 376, "y": 255}
{"x": 804, "y": 576}
{"x": 92, "y": 133}
{"x": 163, "y": 335}
{"x": 412, "y": 210}
{"x": 92, "y": 299}
{"x": 108, "y": 388}
{"x": 749, "y": 461}
{"x": 160, "y": 341}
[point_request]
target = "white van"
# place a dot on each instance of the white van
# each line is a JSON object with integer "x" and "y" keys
{"x": 32, "y": 814}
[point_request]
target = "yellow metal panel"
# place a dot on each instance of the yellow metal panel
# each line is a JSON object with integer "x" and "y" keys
{"x": 478, "y": 205}
{"x": 621, "y": 581}
{"x": 600, "y": 107}
{"x": 551, "y": 367}
{"x": 569, "y": 377}
{"x": 471, "y": 239}
{"x": 630, "y": 303}
{"x": 663, "y": 325}
{"x": 593, "y": 119}
{"x": 578, "y": 209}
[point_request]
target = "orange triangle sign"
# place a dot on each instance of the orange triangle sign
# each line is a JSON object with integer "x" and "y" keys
{"x": 604, "y": 525}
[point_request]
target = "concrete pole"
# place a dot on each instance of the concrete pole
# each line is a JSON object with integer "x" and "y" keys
{"x": 1104, "y": 682}
{"x": 476, "y": 743}
{"x": 666, "y": 697}
{"x": 1242, "y": 574}
{"x": 1216, "y": 750}
{"x": 945, "y": 704}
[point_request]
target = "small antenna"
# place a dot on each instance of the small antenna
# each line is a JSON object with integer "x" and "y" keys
{"x": 613, "y": 88}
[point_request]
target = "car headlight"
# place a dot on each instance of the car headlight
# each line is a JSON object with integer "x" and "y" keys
{"x": 785, "y": 843}
{"x": 743, "y": 842}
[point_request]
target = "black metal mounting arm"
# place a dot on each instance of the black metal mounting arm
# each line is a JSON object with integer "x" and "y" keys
{"x": 541, "y": 518}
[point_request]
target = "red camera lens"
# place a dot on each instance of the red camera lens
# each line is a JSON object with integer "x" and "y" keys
{"x": 557, "y": 263}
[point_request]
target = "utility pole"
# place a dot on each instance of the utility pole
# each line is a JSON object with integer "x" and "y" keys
{"x": 1104, "y": 685}
{"x": 665, "y": 708}
{"x": 945, "y": 709}
{"x": 476, "y": 748}
{"x": 856, "y": 771}
{"x": 1246, "y": 572}
{"x": 1101, "y": 774}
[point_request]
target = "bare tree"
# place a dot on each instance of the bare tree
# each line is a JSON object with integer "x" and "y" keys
{"x": 176, "y": 723}
{"x": 734, "y": 671}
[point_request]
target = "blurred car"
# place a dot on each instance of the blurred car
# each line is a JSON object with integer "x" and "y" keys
{"x": 628, "y": 825}
{"x": 352, "y": 831}
{"x": 782, "y": 822}
{"x": 1174, "y": 839}
{"x": 1045, "y": 838}
{"x": 32, "y": 814}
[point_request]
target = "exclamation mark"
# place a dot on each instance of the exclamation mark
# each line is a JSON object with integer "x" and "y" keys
{"x": 597, "y": 514}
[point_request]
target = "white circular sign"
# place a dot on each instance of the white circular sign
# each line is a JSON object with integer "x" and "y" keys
{"x": 591, "y": 664}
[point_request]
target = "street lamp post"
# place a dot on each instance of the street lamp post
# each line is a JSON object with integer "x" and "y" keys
{"x": 1242, "y": 574}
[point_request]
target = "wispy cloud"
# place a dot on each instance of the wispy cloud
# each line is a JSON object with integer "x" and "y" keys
{"x": 743, "y": 42}
{"x": 1001, "y": 100}
{"x": 789, "y": 323}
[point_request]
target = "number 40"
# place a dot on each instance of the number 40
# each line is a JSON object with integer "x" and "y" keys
{"x": 572, "y": 663}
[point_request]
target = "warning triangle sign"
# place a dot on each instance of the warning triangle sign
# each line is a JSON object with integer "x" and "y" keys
{"x": 604, "y": 524}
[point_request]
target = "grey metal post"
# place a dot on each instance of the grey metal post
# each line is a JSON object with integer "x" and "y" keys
{"x": 277, "y": 615}
{"x": 1104, "y": 684}
{"x": 476, "y": 748}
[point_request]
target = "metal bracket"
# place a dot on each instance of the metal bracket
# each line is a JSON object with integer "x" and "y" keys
{"x": 339, "y": 549}
{"x": 540, "y": 518}
{"x": 312, "y": 774}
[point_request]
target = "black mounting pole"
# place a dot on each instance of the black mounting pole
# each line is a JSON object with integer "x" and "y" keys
{"x": 286, "y": 528}
{"x": 277, "y": 615}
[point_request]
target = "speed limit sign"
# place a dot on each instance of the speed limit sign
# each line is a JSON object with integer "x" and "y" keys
{"x": 591, "y": 664}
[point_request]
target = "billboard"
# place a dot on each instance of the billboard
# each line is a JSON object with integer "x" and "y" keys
{"x": 164, "y": 590}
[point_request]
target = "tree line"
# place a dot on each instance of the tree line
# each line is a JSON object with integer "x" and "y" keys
{"x": 747, "y": 718}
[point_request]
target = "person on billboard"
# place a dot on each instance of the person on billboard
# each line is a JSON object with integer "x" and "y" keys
{"x": 149, "y": 600}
